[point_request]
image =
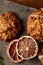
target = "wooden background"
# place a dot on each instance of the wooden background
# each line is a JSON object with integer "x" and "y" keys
{"x": 22, "y": 12}
{"x": 30, "y": 3}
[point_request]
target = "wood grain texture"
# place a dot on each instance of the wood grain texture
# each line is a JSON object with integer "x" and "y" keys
{"x": 22, "y": 12}
{"x": 30, "y": 3}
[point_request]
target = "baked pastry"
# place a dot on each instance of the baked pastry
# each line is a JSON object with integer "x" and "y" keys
{"x": 9, "y": 26}
{"x": 35, "y": 25}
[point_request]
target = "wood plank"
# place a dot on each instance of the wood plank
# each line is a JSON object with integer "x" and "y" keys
{"x": 30, "y": 3}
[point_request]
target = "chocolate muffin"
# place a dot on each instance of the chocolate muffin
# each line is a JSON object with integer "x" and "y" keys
{"x": 9, "y": 26}
{"x": 35, "y": 25}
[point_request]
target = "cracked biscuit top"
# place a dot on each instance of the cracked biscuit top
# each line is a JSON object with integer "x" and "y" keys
{"x": 35, "y": 25}
{"x": 9, "y": 26}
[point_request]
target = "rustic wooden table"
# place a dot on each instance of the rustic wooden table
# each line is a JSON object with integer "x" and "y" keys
{"x": 30, "y": 3}
{"x": 23, "y": 13}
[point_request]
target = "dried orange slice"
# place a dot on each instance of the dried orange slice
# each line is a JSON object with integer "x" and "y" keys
{"x": 12, "y": 53}
{"x": 40, "y": 57}
{"x": 40, "y": 54}
{"x": 27, "y": 47}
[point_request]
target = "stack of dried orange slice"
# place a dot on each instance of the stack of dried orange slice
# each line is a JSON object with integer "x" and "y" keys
{"x": 21, "y": 49}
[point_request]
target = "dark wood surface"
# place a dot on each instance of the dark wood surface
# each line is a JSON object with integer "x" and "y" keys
{"x": 22, "y": 12}
{"x": 30, "y": 3}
